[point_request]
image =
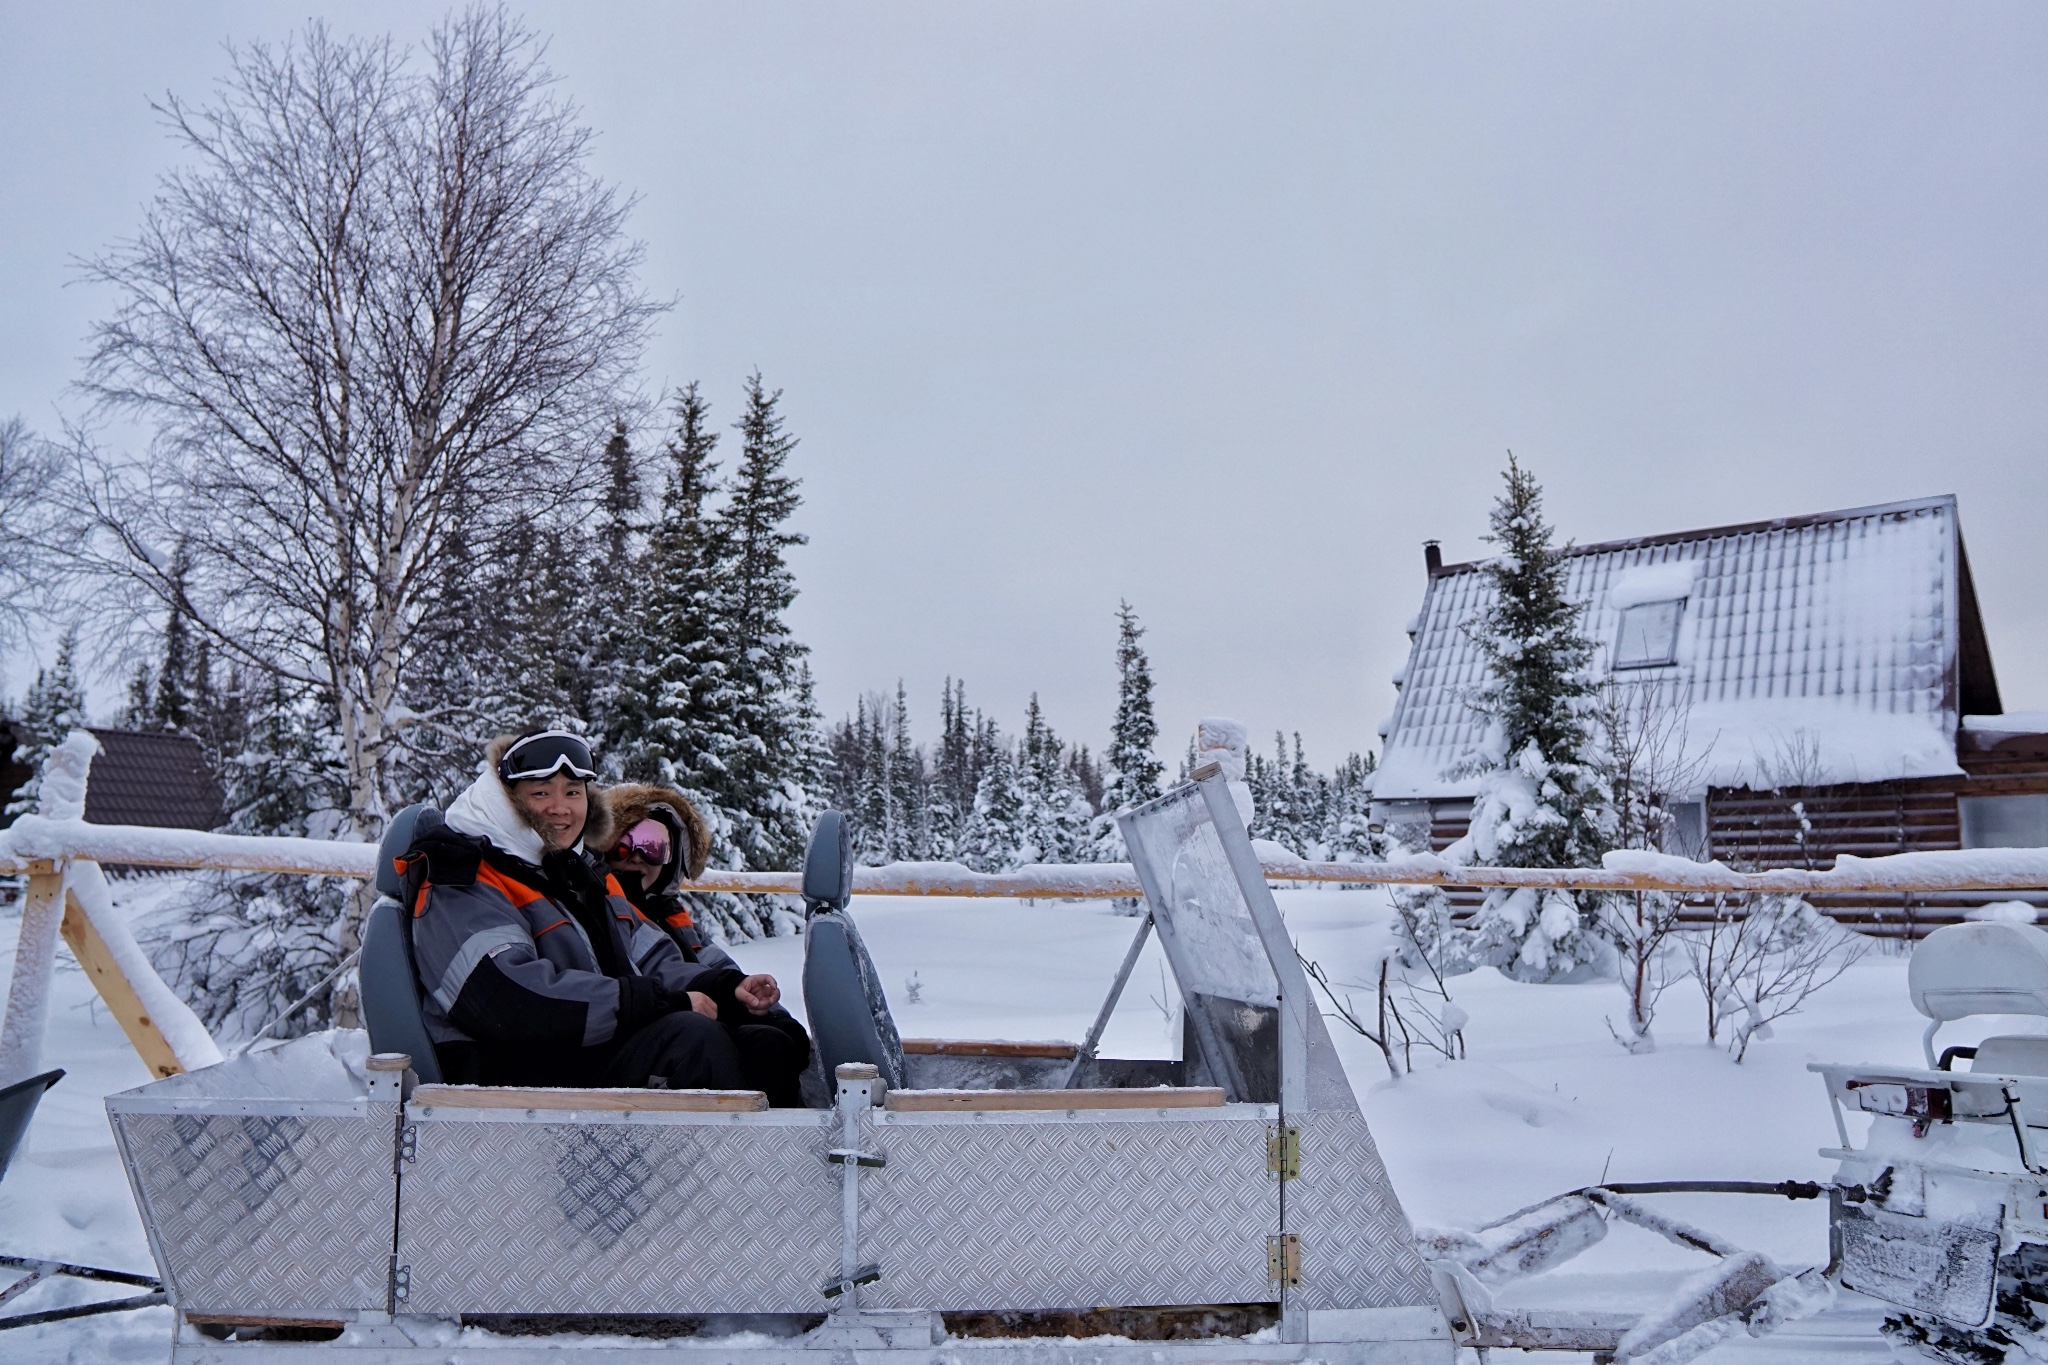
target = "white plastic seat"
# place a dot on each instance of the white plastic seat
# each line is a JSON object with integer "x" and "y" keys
{"x": 1984, "y": 967}
{"x": 2012, "y": 1054}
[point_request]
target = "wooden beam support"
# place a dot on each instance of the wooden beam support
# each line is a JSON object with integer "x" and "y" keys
{"x": 103, "y": 969}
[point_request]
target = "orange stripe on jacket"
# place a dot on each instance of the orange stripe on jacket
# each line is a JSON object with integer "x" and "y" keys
{"x": 518, "y": 892}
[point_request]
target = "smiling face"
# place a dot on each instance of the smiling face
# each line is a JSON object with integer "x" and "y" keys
{"x": 557, "y": 807}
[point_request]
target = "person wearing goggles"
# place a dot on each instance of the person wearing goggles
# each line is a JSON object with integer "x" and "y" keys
{"x": 535, "y": 967}
{"x": 662, "y": 841}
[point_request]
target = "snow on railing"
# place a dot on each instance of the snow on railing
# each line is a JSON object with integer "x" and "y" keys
{"x": 39, "y": 839}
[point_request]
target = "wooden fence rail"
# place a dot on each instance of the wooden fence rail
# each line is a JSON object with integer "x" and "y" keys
{"x": 35, "y": 838}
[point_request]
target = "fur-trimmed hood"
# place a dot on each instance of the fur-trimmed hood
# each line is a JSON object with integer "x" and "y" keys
{"x": 486, "y": 810}
{"x": 627, "y": 804}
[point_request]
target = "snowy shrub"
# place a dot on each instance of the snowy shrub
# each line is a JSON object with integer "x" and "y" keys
{"x": 1759, "y": 960}
{"x": 242, "y": 948}
{"x": 1643, "y": 733}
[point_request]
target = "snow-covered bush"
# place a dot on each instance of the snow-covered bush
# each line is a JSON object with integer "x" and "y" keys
{"x": 242, "y": 948}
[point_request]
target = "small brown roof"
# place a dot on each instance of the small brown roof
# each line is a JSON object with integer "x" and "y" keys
{"x": 151, "y": 777}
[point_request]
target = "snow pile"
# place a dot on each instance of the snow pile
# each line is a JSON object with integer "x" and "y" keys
{"x": 61, "y": 795}
{"x": 1641, "y": 583}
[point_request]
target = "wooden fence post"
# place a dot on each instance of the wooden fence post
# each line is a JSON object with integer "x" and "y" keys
{"x": 35, "y": 961}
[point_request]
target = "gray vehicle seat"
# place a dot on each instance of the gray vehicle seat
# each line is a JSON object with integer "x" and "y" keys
{"x": 390, "y": 986}
{"x": 843, "y": 999}
{"x": 17, "y": 1106}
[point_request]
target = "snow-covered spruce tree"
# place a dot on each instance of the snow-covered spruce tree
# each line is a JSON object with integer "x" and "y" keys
{"x": 1543, "y": 797}
{"x": 995, "y": 832}
{"x": 908, "y": 837}
{"x": 954, "y": 775}
{"x": 755, "y": 727}
{"x": 1134, "y": 767}
{"x": 1348, "y": 835}
{"x": 1054, "y": 816}
{"x": 53, "y": 708}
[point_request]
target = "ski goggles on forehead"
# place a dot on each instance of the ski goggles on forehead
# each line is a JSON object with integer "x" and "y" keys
{"x": 544, "y": 755}
{"x": 647, "y": 841}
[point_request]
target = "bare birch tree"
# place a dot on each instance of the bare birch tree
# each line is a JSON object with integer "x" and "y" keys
{"x": 1644, "y": 731}
{"x": 28, "y": 469}
{"x": 379, "y": 323}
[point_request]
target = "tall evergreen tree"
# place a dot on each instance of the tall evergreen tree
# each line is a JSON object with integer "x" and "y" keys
{"x": 763, "y": 738}
{"x": 1544, "y": 800}
{"x": 1134, "y": 767}
{"x": 954, "y": 775}
{"x": 53, "y": 708}
{"x": 907, "y": 831}
{"x": 663, "y": 717}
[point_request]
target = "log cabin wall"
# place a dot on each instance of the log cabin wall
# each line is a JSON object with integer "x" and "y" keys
{"x": 1808, "y": 827}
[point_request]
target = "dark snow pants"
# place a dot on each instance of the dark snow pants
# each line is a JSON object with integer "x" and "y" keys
{"x": 684, "y": 1049}
{"x": 694, "y": 1053}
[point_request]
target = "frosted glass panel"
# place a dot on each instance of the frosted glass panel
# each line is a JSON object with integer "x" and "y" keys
{"x": 2005, "y": 821}
{"x": 1200, "y": 912}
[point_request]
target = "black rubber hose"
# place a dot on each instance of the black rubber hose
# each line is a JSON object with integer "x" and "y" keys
{"x": 1784, "y": 1189}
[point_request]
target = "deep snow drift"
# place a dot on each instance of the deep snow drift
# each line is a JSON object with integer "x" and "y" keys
{"x": 1547, "y": 1101}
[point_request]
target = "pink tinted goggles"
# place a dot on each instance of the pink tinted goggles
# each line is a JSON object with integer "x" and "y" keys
{"x": 647, "y": 841}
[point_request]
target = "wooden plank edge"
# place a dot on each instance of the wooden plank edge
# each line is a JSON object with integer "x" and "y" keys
{"x": 610, "y": 1101}
{"x": 967, "y": 1047}
{"x": 1052, "y": 1101}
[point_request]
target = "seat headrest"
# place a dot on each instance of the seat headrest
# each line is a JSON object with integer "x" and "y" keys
{"x": 1988, "y": 967}
{"x": 405, "y": 827}
{"x": 828, "y": 864}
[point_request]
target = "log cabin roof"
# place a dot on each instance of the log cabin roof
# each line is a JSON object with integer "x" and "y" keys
{"x": 1836, "y": 647}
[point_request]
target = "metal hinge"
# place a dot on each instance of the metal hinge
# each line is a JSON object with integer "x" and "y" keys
{"x": 408, "y": 1143}
{"x": 842, "y": 1155}
{"x": 867, "y": 1274}
{"x": 1283, "y": 1153}
{"x": 401, "y": 1282}
{"x": 1283, "y": 1259}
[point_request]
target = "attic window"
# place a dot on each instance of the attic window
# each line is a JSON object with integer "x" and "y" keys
{"x": 1649, "y": 634}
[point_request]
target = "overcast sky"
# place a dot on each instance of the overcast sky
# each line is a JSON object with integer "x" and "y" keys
{"x": 1224, "y": 309}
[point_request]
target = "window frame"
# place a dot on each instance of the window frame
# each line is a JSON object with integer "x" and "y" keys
{"x": 1670, "y": 657}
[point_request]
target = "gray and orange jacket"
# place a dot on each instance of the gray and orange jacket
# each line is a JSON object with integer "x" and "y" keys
{"x": 551, "y": 958}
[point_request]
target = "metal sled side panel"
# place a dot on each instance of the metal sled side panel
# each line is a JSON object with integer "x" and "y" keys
{"x": 1357, "y": 1248}
{"x": 254, "y": 1213}
{"x": 659, "y": 1215}
{"x": 1949, "y": 1270}
{"x": 1036, "y": 1211}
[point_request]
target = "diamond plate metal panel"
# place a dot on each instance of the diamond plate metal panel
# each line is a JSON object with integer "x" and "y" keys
{"x": 661, "y": 1214}
{"x": 1024, "y": 1212}
{"x": 266, "y": 1213}
{"x": 1357, "y": 1250}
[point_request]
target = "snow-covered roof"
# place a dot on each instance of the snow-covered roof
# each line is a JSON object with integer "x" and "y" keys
{"x": 1843, "y": 645}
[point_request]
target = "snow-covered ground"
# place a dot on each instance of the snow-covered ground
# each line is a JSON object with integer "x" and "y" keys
{"x": 1547, "y": 1101}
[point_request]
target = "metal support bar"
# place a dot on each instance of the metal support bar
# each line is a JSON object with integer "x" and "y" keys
{"x": 84, "y": 1310}
{"x": 1086, "y": 1054}
{"x": 859, "y": 1083}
